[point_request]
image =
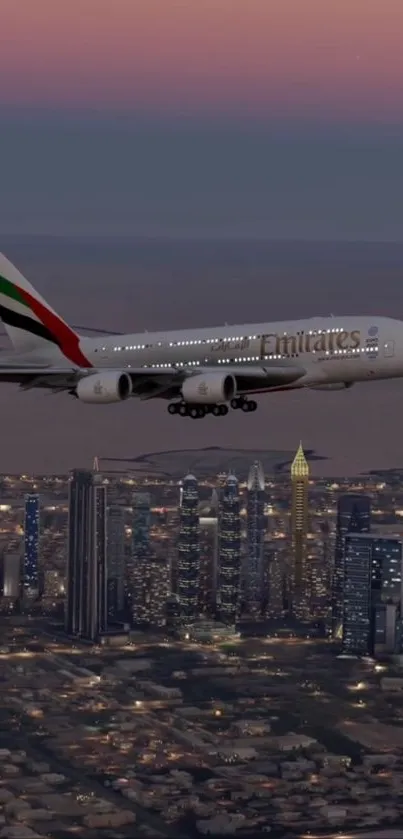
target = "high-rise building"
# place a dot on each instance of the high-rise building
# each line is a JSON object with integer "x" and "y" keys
{"x": 253, "y": 566}
{"x": 208, "y": 581}
{"x": 149, "y": 607}
{"x": 300, "y": 594}
{"x": 159, "y": 590}
{"x": 11, "y": 574}
{"x": 387, "y": 550}
{"x": 86, "y": 578}
{"x": 275, "y": 583}
{"x": 188, "y": 573}
{"x": 353, "y": 516}
{"x": 141, "y": 519}
{"x": 138, "y": 583}
{"x": 361, "y": 595}
{"x": 387, "y": 620}
{"x": 31, "y": 542}
{"x": 116, "y": 560}
{"x": 230, "y": 552}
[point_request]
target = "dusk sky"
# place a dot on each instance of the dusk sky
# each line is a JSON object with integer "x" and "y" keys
{"x": 280, "y": 118}
{"x": 271, "y": 119}
{"x": 335, "y": 58}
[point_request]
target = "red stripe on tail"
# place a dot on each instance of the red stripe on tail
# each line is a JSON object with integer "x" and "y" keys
{"x": 68, "y": 341}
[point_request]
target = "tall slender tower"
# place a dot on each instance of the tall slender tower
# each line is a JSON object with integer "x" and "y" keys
{"x": 230, "y": 552}
{"x": 86, "y": 602}
{"x": 31, "y": 540}
{"x": 189, "y": 549}
{"x": 299, "y": 528}
{"x": 353, "y": 516}
{"x": 208, "y": 583}
{"x": 138, "y": 572}
{"x": 253, "y": 571}
{"x": 116, "y": 560}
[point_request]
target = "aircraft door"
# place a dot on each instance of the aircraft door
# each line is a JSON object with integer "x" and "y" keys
{"x": 389, "y": 349}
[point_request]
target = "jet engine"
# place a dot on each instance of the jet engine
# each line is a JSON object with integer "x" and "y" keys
{"x": 209, "y": 388}
{"x": 332, "y": 386}
{"x": 104, "y": 388}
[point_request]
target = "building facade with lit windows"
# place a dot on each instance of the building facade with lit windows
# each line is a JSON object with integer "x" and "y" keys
{"x": 86, "y": 578}
{"x": 188, "y": 567}
{"x": 230, "y": 553}
{"x": 353, "y": 516}
{"x": 141, "y": 520}
{"x": 116, "y": 560}
{"x": 137, "y": 581}
{"x": 253, "y": 567}
{"x": 31, "y": 542}
{"x": 300, "y": 589}
{"x": 362, "y": 593}
{"x": 208, "y": 533}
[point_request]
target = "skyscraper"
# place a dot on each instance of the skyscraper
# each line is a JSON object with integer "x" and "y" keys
{"x": 86, "y": 587}
{"x": 116, "y": 560}
{"x": 208, "y": 581}
{"x": 31, "y": 542}
{"x": 138, "y": 574}
{"x": 275, "y": 581}
{"x": 159, "y": 588}
{"x": 189, "y": 549}
{"x": 362, "y": 593}
{"x": 388, "y": 551}
{"x": 299, "y": 527}
{"x": 11, "y": 574}
{"x": 230, "y": 552}
{"x": 141, "y": 519}
{"x": 353, "y": 516}
{"x": 253, "y": 568}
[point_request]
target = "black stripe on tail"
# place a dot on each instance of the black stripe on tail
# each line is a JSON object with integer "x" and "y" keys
{"x": 27, "y": 324}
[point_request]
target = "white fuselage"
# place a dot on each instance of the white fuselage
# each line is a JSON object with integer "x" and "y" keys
{"x": 330, "y": 349}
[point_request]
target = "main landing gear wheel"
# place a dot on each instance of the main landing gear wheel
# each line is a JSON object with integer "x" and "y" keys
{"x": 240, "y": 403}
{"x": 237, "y": 403}
{"x": 219, "y": 410}
{"x": 196, "y": 411}
{"x": 249, "y": 405}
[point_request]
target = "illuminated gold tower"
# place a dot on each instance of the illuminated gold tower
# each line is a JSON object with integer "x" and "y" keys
{"x": 299, "y": 527}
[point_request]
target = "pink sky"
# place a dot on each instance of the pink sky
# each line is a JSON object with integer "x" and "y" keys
{"x": 270, "y": 56}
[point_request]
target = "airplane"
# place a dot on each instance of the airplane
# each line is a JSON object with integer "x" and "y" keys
{"x": 198, "y": 371}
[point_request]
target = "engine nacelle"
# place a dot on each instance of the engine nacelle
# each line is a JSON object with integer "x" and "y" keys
{"x": 104, "y": 388}
{"x": 209, "y": 388}
{"x": 332, "y": 386}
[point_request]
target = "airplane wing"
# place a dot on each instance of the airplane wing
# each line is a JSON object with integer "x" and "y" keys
{"x": 152, "y": 382}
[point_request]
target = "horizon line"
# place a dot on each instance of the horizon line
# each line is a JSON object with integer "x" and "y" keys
{"x": 197, "y": 237}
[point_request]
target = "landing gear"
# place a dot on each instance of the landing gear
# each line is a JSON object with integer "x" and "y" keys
{"x": 240, "y": 403}
{"x": 196, "y": 411}
{"x": 219, "y": 410}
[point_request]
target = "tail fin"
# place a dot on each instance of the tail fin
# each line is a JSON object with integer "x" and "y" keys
{"x": 30, "y": 323}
